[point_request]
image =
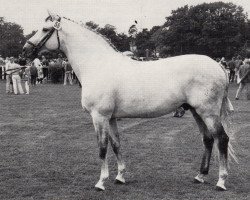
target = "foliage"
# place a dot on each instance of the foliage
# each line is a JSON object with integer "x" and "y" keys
{"x": 215, "y": 29}
{"x": 92, "y": 25}
{"x": 11, "y": 38}
{"x": 120, "y": 41}
{"x": 143, "y": 40}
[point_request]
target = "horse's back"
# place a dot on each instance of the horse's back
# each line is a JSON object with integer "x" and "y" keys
{"x": 155, "y": 88}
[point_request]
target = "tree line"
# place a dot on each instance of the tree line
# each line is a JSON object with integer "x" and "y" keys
{"x": 215, "y": 29}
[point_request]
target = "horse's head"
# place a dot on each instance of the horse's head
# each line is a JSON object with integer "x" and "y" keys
{"x": 45, "y": 39}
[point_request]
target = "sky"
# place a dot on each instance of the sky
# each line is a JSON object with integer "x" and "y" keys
{"x": 30, "y": 14}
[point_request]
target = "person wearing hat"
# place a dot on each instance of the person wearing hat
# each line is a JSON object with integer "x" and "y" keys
{"x": 244, "y": 77}
{"x": 16, "y": 79}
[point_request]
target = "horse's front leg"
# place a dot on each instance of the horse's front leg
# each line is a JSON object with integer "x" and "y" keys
{"x": 115, "y": 143}
{"x": 101, "y": 124}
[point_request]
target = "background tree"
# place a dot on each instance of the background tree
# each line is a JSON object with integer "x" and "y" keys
{"x": 120, "y": 41}
{"x": 144, "y": 40}
{"x": 92, "y": 25}
{"x": 215, "y": 29}
{"x": 11, "y": 38}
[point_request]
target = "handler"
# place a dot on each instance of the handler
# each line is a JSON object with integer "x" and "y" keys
{"x": 9, "y": 84}
{"x": 15, "y": 69}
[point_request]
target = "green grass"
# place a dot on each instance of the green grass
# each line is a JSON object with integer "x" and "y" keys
{"x": 48, "y": 150}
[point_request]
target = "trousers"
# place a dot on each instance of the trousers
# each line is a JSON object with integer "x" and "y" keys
{"x": 17, "y": 84}
{"x": 9, "y": 87}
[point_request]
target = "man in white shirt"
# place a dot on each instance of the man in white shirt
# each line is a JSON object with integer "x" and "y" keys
{"x": 14, "y": 67}
{"x": 39, "y": 66}
{"x": 9, "y": 85}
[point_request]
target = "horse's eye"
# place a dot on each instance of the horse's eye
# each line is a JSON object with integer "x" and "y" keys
{"x": 45, "y": 29}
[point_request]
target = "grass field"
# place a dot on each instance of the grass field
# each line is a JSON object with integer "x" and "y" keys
{"x": 48, "y": 150}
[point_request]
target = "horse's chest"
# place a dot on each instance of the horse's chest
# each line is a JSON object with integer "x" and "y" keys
{"x": 97, "y": 100}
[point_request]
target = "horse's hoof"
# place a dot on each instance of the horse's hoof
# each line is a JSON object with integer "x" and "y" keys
{"x": 221, "y": 187}
{"x": 197, "y": 179}
{"x": 99, "y": 187}
{"x": 119, "y": 180}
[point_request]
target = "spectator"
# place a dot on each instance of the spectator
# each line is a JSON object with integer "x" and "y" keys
{"x": 21, "y": 60}
{"x": 16, "y": 79}
{"x": 50, "y": 67}
{"x": 45, "y": 67}
{"x": 33, "y": 74}
{"x": 9, "y": 83}
{"x": 68, "y": 72}
{"x": 2, "y": 64}
{"x": 244, "y": 77}
{"x": 223, "y": 62}
{"x": 39, "y": 66}
{"x": 238, "y": 63}
{"x": 40, "y": 75}
{"x": 231, "y": 66}
{"x": 60, "y": 68}
{"x": 26, "y": 77}
{"x": 56, "y": 71}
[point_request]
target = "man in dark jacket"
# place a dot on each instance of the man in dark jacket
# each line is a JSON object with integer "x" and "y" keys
{"x": 33, "y": 74}
{"x": 231, "y": 66}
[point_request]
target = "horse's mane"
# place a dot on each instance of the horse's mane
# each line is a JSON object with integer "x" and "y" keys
{"x": 96, "y": 32}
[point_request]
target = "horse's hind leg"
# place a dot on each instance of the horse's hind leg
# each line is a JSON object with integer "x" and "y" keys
{"x": 208, "y": 142}
{"x": 101, "y": 124}
{"x": 115, "y": 143}
{"x": 221, "y": 139}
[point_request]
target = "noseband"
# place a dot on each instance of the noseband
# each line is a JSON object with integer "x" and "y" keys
{"x": 37, "y": 47}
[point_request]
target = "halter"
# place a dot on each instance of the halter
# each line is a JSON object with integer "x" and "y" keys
{"x": 38, "y": 46}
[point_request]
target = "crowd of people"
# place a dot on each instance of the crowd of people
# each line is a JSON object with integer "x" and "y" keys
{"x": 238, "y": 71}
{"x": 38, "y": 71}
{"x": 31, "y": 72}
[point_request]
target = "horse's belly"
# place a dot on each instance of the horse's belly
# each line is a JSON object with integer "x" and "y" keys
{"x": 140, "y": 113}
{"x": 145, "y": 108}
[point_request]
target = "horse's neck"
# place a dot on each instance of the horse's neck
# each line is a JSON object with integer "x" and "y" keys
{"x": 86, "y": 51}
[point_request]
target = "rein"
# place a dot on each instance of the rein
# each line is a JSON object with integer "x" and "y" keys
{"x": 38, "y": 46}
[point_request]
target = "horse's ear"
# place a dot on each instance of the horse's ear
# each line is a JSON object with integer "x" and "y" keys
{"x": 52, "y": 16}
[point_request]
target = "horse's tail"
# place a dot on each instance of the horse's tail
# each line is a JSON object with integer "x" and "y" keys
{"x": 226, "y": 111}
